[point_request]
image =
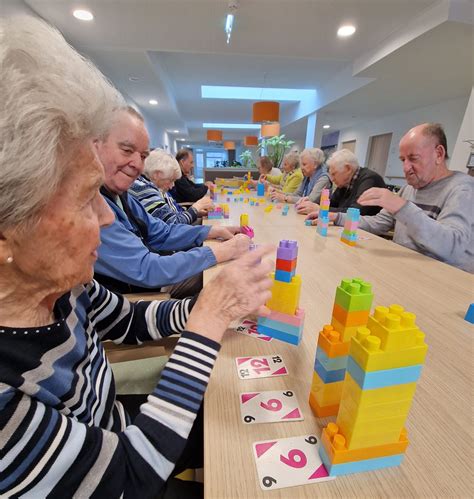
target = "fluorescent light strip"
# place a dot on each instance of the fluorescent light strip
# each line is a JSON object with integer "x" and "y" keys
{"x": 256, "y": 93}
{"x": 236, "y": 126}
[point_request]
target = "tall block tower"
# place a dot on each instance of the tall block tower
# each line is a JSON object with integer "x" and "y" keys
{"x": 384, "y": 364}
{"x": 286, "y": 319}
{"x": 323, "y": 216}
{"x": 350, "y": 311}
{"x": 349, "y": 233}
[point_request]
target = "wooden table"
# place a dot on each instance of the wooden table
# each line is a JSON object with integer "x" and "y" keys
{"x": 439, "y": 459}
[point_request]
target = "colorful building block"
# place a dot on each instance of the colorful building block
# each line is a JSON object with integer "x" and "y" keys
{"x": 244, "y": 219}
{"x": 287, "y": 250}
{"x": 329, "y": 376}
{"x": 330, "y": 341}
{"x": 260, "y": 189}
{"x": 354, "y": 294}
{"x": 469, "y": 317}
{"x": 268, "y": 208}
{"x": 287, "y": 265}
{"x": 349, "y": 233}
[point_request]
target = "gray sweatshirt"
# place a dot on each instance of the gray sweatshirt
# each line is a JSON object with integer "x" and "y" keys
{"x": 438, "y": 220}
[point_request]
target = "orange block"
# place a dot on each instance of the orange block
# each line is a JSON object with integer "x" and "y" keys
{"x": 347, "y": 318}
{"x": 330, "y": 341}
{"x": 322, "y": 411}
{"x": 286, "y": 265}
{"x": 335, "y": 446}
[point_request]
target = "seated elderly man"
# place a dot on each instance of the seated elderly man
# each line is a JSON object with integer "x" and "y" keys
{"x": 63, "y": 431}
{"x": 434, "y": 213}
{"x": 290, "y": 178}
{"x": 185, "y": 190}
{"x": 129, "y": 259}
{"x": 151, "y": 189}
{"x": 315, "y": 179}
{"x": 351, "y": 181}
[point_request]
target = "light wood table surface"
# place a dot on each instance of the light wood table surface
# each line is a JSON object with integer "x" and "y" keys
{"x": 439, "y": 459}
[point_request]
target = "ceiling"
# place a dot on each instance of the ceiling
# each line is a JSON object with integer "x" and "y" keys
{"x": 172, "y": 47}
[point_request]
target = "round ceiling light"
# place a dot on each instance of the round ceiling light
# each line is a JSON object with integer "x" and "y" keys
{"x": 153, "y": 102}
{"x": 83, "y": 15}
{"x": 326, "y": 126}
{"x": 175, "y": 131}
{"x": 346, "y": 30}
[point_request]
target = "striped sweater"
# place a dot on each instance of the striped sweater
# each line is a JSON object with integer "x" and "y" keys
{"x": 62, "y": 433}
{"x": 159, "y": 204}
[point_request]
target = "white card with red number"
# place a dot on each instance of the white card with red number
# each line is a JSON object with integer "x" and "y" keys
{"x": 267, "y": 366}
{"x": 289, "y": 462}
{"x": 249, "y": 328}
{"x": 270, "y": 407}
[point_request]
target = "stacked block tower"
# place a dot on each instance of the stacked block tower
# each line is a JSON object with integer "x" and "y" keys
{"x": 323, "y": 217}
{"x": 219, "y": 212}
{"x": 385, "y": 362}
{"x": 286, "y": 319}
{"x": 349, "y": 234}
{"x": 351, "y": 310}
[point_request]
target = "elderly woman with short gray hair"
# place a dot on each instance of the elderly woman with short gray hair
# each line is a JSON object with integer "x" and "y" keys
{"x": 290, "y": 179}
{"x": 63, "y": 431}
{"x": 315, "y": 179}
{"x": 151, "y": 189}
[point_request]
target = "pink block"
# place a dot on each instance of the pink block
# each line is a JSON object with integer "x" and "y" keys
{"x": 351, "y": 225}
{"x": 293, "y": 320}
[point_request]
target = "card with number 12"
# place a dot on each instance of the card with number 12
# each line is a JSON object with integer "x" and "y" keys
{"x": 266, "y": 366}
{"x": 289, "y": 462}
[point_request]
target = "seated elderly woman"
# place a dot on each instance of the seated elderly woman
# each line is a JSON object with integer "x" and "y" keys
{"x": 291, "y": 178}
{"x": 265, "y": 167}
{"x": 151, "y": 189}
{"x": 315, "y": 180}
{"x": 351, "y": 180}
{"x": 63, "y": 431}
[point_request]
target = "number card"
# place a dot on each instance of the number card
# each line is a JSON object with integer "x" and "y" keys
{"x": 269, "y": 407}
{"x": 289, "y": 462}
{"x": 267, "y": 366}
{"x": 249, "y": 328}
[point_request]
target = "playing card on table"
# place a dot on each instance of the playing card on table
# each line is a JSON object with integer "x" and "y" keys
{"x": 249, "y": 328}
{"x": 269, "y": 407}
{"x": 266, "y": 366}
{"x": 289, "y": 462}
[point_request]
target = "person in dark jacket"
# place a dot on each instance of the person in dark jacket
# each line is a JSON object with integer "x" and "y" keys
{"x": 351, "y": 180}
{"x": 185, "y": 190}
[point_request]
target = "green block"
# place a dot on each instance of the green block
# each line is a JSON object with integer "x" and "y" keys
{"x": 354, "y": 295}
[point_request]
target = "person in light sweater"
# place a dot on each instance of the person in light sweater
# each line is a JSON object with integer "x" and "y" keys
{"x": 434, "y": 213}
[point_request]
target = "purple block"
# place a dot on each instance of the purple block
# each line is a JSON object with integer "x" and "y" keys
{"x": 287, "y": 250}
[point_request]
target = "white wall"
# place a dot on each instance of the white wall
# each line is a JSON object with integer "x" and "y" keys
{"x": 462, "y": 149}
{"x": 449, "y": 113}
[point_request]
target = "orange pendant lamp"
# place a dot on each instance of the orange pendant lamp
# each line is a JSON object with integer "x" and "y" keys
{"x": 229, "y": 145}
{"x": 265, "y": 111}
{"x": 214, "y": 135}
{"x": 270, "y": 130}
{"x": 251, "y": 140}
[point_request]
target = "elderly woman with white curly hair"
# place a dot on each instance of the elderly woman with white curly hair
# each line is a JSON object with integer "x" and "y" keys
{"x": 151, "y": 189}
{"x": 63, "y": 431}
{"x": 316, "y": 178}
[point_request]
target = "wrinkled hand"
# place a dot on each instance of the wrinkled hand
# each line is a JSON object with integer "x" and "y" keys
{"x": 221, "y": 232}
{"x": 262, "y": 178}
{"x": 240, "y": 289}
{"x": 301, "y": 200}
{"x": 203, "y": 205}
{"x": 277, "y": 196}
{"x": 314, "y": 215}
{"x": 306, "y": 207}
{"x": 210, "y": 185}
{"x": 377, "y": 196}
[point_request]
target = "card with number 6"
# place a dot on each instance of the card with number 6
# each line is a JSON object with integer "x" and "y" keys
{"x": 266, "y": 366}
{"x": 289, "y": 462}
{"x": 269, "y": 407}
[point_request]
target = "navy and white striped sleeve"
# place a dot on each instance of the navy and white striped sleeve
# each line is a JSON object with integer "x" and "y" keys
{"x": 45, "y": 453}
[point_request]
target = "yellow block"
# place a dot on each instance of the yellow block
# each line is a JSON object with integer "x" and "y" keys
{"x": 285, "y": 295}
{"x": 361, "y": 414}
{"x": 326, "y": 393}
{"x": 346, "y": 332}
{"x": 244, "y": 219}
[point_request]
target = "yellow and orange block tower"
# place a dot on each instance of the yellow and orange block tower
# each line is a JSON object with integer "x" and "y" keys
{"x": 384, "y": 364}
{"x": 351, "y": 310}
{"x": 286, "y": 319}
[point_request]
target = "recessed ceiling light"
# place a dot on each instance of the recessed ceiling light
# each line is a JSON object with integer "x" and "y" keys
{"x": 346, "y": 30}
{"x": 133, "y": 78}
{"x": 326, "y": 126}
{"x": 180, "y": 140}
{"x": 83, "y": 15}
{"x": 153, "y": 102}
{"x": 175, "y": 131}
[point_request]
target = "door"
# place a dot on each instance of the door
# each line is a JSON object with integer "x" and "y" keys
{"x": 379, "y": 148}
{"x": 350, "y": 144}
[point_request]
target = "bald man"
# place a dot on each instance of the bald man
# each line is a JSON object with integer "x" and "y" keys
{"x": 434, "y": 213}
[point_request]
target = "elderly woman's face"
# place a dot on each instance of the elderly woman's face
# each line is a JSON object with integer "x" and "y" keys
{"x": 60, "y": 252}
{"x": 163, "y": 182}
{"x": 288, "y": 166}
{"x": 308, "y": 166}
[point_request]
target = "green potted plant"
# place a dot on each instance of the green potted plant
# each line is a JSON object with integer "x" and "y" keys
{"x": 275, "y": 148}
{"x": 247, "y": 159}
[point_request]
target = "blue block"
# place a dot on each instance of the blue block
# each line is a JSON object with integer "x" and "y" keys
{"x": 329, "y": 376}
{"x": 358, "y": 466}
{"x": 260, "y": 189}
{"x": 322, "y": 232}
{"x": 384, "y": 377}
{"x": 308, "y": 222}
{"x": 469, "y": 317}
{"x": 283, "y": 275}
{"x": 353, "y": 214}
{"x": 279, "y": 335}
{"x": 279, "y": 326}
{"x": 331, "y": 364}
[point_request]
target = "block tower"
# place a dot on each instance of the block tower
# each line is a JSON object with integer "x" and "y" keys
{"x": 286, "y": 320}
{"x": 349, "y": 233}
{"x": 384, "y": 364}
{"x": 351, "y": 310}
{"x": 323, "y": 217}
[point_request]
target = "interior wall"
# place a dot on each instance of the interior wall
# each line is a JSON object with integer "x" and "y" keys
{"x": 449, "y": 113}
{"x": 462, "y": 149}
